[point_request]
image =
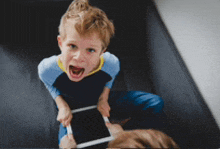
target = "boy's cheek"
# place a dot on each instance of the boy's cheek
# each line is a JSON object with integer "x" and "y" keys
{"x": 61, "y": 57}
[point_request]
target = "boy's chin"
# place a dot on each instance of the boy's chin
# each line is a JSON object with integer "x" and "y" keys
{"x": 76, "y": 79}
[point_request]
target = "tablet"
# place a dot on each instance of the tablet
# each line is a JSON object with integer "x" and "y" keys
{"x": 88, "y": 127}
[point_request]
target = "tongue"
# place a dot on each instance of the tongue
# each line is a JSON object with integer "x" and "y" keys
{"x": 76, "y": 70}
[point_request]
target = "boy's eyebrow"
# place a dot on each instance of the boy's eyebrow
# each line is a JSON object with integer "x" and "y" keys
{"x": 94, "y": 46}
{"x": 91, "y": 45}
{"x": 71, "y": 41}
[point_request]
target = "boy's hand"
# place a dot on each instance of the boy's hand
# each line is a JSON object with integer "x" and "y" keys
{"x": 68, "y": 142}
{"x": 104, "y": 108}
{"x": 65, "y": 116}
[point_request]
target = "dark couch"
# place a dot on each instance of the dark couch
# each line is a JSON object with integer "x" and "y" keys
{"x": 149, "y": 62}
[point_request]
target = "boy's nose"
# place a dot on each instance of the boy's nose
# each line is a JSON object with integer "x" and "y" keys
{"x": 78, "y": 55}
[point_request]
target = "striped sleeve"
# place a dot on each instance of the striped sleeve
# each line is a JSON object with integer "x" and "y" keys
{"x": 48, "y": 71}
{"x": 111, "y": 66}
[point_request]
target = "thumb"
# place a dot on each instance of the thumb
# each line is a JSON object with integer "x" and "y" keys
{"x": 104, "y": 112}
{"x": 107, "y": 113}
{"x": 109, "y": 125}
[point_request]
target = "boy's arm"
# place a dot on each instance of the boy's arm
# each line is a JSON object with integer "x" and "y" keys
{"x": 103, "y": 105}
{"x": 105, "y": 94}
{"x": 112, "y": 67}
{"x": 64, "y": 114}
{"x": 48, "y": 73}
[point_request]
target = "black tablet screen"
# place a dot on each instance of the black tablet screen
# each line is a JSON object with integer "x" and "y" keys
{"x": 88, "y": 125}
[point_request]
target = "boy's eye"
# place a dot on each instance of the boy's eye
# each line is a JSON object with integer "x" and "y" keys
{"x": 72, "y": 46}
{"x": 91, "y": 50}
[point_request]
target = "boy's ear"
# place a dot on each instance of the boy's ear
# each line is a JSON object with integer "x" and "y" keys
{"x": 103, "y": 51}
{"x": 59, "y": 41}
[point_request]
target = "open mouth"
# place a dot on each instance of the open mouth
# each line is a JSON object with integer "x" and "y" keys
{"x": 76, "y": 72}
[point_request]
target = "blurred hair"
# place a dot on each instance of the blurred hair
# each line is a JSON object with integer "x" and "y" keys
{"x": 87, "y": 19}
{"x": 143, "y": 139}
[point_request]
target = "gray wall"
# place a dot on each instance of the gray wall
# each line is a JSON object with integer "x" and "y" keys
{"x": 190, "y": 118}
{"x": 195, "y": 28}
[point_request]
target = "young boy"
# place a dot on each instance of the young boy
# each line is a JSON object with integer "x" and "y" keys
{"x": 84, "y": 72}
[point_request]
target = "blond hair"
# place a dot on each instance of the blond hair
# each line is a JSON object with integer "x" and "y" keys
{"x": 88, "y": 19}
{"x": 143, "y": 139}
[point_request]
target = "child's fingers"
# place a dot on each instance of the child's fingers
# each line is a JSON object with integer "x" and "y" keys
{"x": 109, "y": 108}
{"x": 108, "y": 124}
{"x": 105, "y": 112}
{"x": 62, "y": 121}
{"x": 67, "y": 122}
{"x": 61, "y": 117}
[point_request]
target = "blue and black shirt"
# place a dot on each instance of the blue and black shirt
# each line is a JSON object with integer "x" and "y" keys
{"x": 86, "y": 91}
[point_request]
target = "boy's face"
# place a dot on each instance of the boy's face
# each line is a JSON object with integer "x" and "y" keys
{"x": 80, "y": 55}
